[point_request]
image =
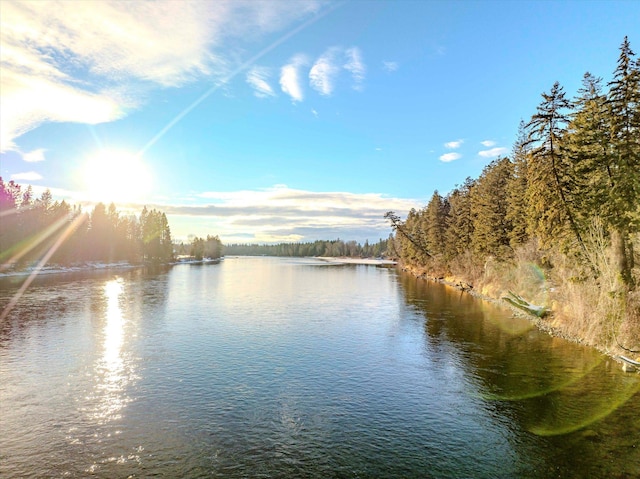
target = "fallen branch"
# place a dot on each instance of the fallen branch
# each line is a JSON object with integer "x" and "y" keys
{"x": 519, "y": 302}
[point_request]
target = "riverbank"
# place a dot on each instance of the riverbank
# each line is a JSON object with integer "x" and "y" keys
{"x": 556, "y": 323}
{"x": 58, "y": 269}
{"x": 95, "y": 266}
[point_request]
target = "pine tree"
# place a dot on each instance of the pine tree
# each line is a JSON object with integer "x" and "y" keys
{"x": 624, "y": 104}
{"x": 548, "y": 173}
{"x": 460, "y": 220}
{"x": 517, "y": 189}
{"x": 589, "y": 152}
{"x": 489, "y": 209}
{"x": 434, "y": 224}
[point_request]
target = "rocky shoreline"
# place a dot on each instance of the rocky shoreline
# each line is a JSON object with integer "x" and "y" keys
{"x": 543, "y": 324}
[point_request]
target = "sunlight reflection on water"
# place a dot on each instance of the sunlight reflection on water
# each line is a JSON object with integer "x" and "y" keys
{"x": 113, "y": 371}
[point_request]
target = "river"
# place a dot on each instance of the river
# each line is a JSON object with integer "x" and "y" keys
{"x": 272, "y": 367}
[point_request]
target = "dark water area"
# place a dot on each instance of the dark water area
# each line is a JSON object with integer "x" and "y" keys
{"x": 272, "y": 367}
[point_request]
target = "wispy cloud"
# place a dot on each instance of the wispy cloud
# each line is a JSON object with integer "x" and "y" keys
{"x": 452, "y": 145}
{"x": 356, "y": 66}
{"x": 447, "y": 157}
{"x": 29, "y": 101}
{"x": 258, "y": 78}
{"x": 34, "y": 156}
{"x": 488, "y": 143}
{"x": 493, "y": 152}
{"x": 290, "y": 80}
{"x": 27, "y": 176}
{"x": 83, "y": 61}
{"x": 390, "y": 66}
{"x": 324, "y": 71}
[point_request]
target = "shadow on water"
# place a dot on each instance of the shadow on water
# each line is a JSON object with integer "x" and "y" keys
{"x": 567, "y": 399}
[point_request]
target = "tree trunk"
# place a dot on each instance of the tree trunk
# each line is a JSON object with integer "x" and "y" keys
{"x": 620, "y": 256}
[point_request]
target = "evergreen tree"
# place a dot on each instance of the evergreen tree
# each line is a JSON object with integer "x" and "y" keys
{"x": 624, "y": 104}
{"x": 433, "y": 221}
{"x": 589, "y": 152}
{"x": 460, "y": 220}
{"x": 548, "y": 173}
{"x": 489, "y": 209}
{"x": 517, "y": 189}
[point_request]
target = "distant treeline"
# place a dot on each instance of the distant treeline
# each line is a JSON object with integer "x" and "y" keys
{"x": 334, "y": 248}
{"x": 40, "y": 229}
{"x": 574, "y": 172}
{"x": 201, "y": 248}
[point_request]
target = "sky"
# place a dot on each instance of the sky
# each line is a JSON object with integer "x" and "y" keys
{"x": 282, "y": 121}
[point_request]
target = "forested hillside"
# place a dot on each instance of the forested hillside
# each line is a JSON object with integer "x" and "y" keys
{"x": 37, "y": 230}
{"x": 558, "y": 221}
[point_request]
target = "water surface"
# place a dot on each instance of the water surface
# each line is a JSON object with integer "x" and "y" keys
{"x": 271, "y": 367}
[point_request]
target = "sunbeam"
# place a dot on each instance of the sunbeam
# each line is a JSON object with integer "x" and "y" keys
{"x": 231, "y": 75}
{"x": 77, "y": 221}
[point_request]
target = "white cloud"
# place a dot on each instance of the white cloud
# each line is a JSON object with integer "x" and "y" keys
{"x": 324, "y": 71}
{"x": 257, "y": 77}
{"x": 314, "y": 112}
{"x": 390, "y": 66}
{"x": 272, "y": 214}
{"x": 488, "y": 143}
{"x": 34, "y": 156}
{"x": 28, "y": 101}
{"x": 27, "y": 176}
{"x": 356, "y": 66}
{"x": 452, "y": 145}
{"x": 493, "y": 152}
{"x": 84, "y": 61}
{"x": 290, "y": 77}
{"x": 447, "y": 157}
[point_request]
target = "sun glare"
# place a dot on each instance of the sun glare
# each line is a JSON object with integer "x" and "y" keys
{"x": 116, "y": 176}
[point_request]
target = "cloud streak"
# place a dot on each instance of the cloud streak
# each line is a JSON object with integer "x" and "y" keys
{"x": 82, "y": 61}
{"x": 258, "y": 78}
{"x": 327, "y": 68}
{"x": 324, "y": 71}
{"x": 355, "y": 65}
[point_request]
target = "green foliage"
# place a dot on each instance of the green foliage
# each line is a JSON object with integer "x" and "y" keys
{"x": 459, "y": 228}
{"x": 517, "y": 189}
{"x": 491, "y": 226}
{"x": 210, "y": 248}
{"x": 433, "y": 224}
{"x": 573, "y": 161}
{"x": 550, "y": 215}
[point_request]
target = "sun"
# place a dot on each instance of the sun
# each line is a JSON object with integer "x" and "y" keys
{"x": 116, "y": 176}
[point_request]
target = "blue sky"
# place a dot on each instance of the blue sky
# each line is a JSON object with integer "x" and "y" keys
{"x": 283, "y": 120}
